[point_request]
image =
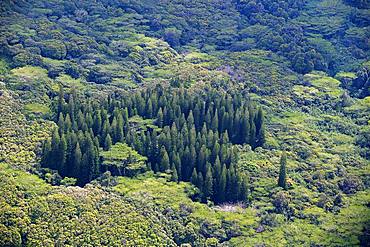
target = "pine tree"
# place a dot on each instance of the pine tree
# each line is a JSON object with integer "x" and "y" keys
{"x": 62, "y": 154}
{"x": 261, "y": 137}
{"x": 202, "y": 159}
{"x": 214, "y": 124}
{"x": 107, "y": 142}
{"x": 252, "y": 135}
{"x": 194, "y": 177}
{"x": 55, "y": 145}
{"x": 84, "y": 174}
{"x": 174, "y": 177}
{"x": 97, "y": 123}
{"x": 105, "y": 131}
{"x": 114, "y": 130}
{"x": 190, "y": 120}
{"x": 125, "y": 115}
{"x": 246, "y": 129}
{"x": 282, "y": 172}
{"x": 77, "y": 159}
{"x": 160, "y": 118}
{"x": 71, "y": 108}
{"x": 119, "y": 130}
{"x": 259, "y": 119}
{"x": 165, "y": 161}
{"x": 200, "y": 182}
{"x": 60, "y": 101}
{"x": 228, "y": 187}
{"x": 149, "y": 108}
{"x": 177, "y": 165}
{"x": 222, "y": 185}
{"x": 208, "y": 183}
{"x": 260, "y": 128}
{"x": 46, "y": 153}
{"x": 67, "y": 123}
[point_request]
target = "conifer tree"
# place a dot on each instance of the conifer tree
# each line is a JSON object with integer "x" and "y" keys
{"x": 177, "y": 165}
{"x": 67, "y": 123}
{"x": 222, "y": 185}
{"x": 174, "y": 176}
{"x": 61, "y": 123}
{"x": 190, "y": 120}
{"x": 77, "y": 159}
{"x": 84, "y": 174}
{"x": 107, "y": 142}
{"x": 165, "y": 161}
{"x": 55, "y": 154}
{"x": 200, "y": 181}
{"x": 194, "y": 177}
{"x": 282, "y": 172}
{"x": 105, "y": 131}
{"x": 71, "y": 108}
{"x": 252, "y": 135}
{"x": 208, "y": 182}
{"x": 60, "y": 107}
{"x": 243, "y": 190}
{"x": 97, "y": 123}
{"x": 214, "y": 124}
{"x": 260, "y": 128}
{"x": 62, "y": 154}
{"x": 119, "y": 130}
{"x": 46, "y": 150}
{"x": 202, "y": 159}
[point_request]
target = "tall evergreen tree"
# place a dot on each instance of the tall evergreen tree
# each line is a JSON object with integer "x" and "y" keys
{"x": 282, "y": 172}
{"x": 194, "y": 177}
{"x": 165, "y": 161}
{"x": 160, "y": 118}
{"x": 62, "y": 154}
{"x": 46, "y": 150}
{"x": 61, "y": 101}
{"x": 107, "y": 142}
{"x": 55, "y": 153}
{"x": 174, "y": 176}
{"x": 77, "y": 159}
{"x": 208, "y": 183}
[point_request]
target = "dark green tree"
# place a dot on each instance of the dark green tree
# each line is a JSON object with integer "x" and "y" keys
{"x": 194, "y": 177}
{"x": 107, "y": 142}
{"x": 174, "y": 176}
{"x": 165, "y": 161}
{"x": 282, "y": 172}
{"x": 208, "y": 182}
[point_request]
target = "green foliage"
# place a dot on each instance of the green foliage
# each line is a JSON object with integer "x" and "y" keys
{"x": 31, "y": 206}
{"x": 3, "y": 67}
{"x": 74, "y": 147}
{"x": 321, "y": 120}
{"x": 122, "y": 160}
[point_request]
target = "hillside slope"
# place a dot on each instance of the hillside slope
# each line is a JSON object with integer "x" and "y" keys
{"x": 304, "y": 64}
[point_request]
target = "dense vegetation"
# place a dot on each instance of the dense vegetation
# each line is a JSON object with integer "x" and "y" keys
{"x": 184, "y": 122}
{"x": 191, "y": 138}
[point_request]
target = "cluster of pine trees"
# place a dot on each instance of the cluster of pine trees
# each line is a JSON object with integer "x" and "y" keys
{"x": 74, "y": 148}
{"x": 194, "y": 140}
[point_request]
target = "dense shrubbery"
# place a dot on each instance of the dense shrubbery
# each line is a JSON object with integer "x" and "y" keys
{"x": 59, "y": 29}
